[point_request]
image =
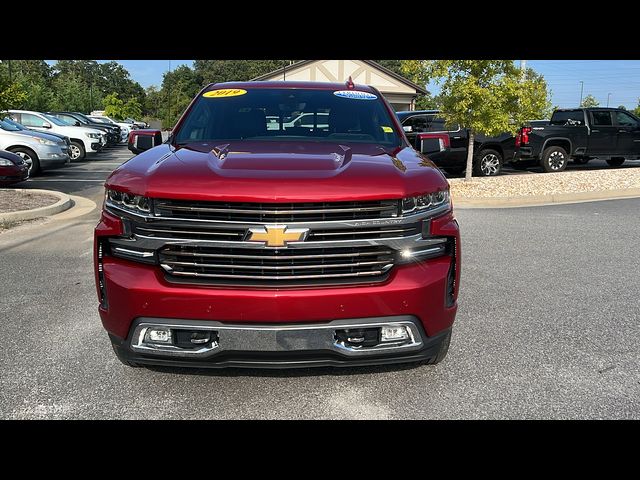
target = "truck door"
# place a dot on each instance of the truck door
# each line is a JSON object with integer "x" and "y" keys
{"x": 457, "y": 136}
{"x": 628, "y": 133}
{"x": 603, "y": 138}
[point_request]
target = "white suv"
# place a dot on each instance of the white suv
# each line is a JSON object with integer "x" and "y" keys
{"x": 83, "y": 139}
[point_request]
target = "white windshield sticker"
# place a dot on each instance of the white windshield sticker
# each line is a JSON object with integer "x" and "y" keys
{"x": 355, "y": 95}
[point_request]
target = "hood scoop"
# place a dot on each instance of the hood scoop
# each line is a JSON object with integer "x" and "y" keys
{"x": 278, "y": 157}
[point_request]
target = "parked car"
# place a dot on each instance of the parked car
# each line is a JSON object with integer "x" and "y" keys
{"x": 80, "y": 120}
{"x": 49, "y": 135}
{"x": 83, "y": 140}
{"x": 447, "y": 145}
{"x": 13, "y": 168}
{"x": 38, "y": 152}
{"x": 137, "y": 123}
{"x": 236, "y": 245}
{"x": 579, "y": 134}
{"x": 125, "y": 128}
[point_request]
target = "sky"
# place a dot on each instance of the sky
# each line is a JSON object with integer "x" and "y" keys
{"x": 620, "y": 78}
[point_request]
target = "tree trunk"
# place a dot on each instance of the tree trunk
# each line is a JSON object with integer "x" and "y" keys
{"x": 469, "y": 172}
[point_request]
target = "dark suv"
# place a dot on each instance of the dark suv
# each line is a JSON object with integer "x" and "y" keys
{"x": 446, "y": 145}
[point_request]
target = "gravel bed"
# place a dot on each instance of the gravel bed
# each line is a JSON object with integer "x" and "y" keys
{"x": 14, "y": 200}
{"x": 545, "y": 183}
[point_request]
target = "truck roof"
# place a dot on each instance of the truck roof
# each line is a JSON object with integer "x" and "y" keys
{"x": 585, "y": 108}
{"x": 290, "y": 84}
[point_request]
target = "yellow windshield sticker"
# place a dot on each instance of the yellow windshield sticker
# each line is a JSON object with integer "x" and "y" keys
{"x": 386, "y": 129}
{"x": 227, "y": 92}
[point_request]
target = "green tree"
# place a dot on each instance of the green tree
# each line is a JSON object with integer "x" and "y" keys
{"x": 114, "y": 106}
{"x": 132, "y": 109}
{"x": 11, "y": 95}
{"x": 178, "y": 89}
{"x": 637, "y": 109}
{"x": 622, "y": 107}
{"x": 487, "y": 96}
{"x": 589, "y": 101}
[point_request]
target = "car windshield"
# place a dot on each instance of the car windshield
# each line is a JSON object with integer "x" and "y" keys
{"x": 288, "y": 114}
{"x": 9, "y": 126}
{"x": 82, "y": 118}
{"x": 55, "y": 120}
{"x": 101, "y": 119}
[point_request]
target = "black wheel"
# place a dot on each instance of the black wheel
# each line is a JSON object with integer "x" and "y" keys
{"x": 615, "y": 162}
{"x": 444, "y": 348}
{"x": 554, "y": 159}
{"x": 454, "y": 170}
{"x": 30, "y": 158}
{"x": 580, "y": 161}
{"x": 123, "y": 360}
{"x": 76, "y": 151}
{"x": 488, "y": 163}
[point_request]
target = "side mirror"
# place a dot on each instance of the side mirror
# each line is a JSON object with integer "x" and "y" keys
{"x": 77, "y": 123}
{"x": 407, "y": 128}
{"x": 46, "y": 125}
{"x": 141, "y": 140}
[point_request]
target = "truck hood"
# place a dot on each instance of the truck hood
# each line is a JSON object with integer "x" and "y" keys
{"x": 268, "y": 171}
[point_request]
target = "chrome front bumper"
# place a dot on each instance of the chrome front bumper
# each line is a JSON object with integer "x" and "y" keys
{"x": 278, "y": 338}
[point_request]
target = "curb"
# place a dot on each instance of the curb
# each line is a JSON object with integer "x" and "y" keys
{"x": 542, "y": 200}
{"x": 64, "y": 203}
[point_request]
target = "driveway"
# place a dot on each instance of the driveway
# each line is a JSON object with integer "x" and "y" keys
{"x": 548, "y": 327}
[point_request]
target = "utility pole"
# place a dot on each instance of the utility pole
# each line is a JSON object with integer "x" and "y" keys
{"x": 523, "y": 69}
{"x": 581, "y": 90}
{"x": 608, "y": 97}
{"x": 170, "y": 95}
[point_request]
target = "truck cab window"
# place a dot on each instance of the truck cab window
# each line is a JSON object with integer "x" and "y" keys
{"x": 602, "y": 118}
{"x": 625, "y": 120}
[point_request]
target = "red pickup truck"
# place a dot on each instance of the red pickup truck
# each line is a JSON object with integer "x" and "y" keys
{"x": 249, "y": 240}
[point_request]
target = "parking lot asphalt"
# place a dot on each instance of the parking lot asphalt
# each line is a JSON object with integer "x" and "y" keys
{"x": 548, "y": 327}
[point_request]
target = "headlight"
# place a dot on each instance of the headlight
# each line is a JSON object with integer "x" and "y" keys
{"x": 127, "y": 201}
{"x": 6, "y": 163}
{"x": 93, "y": 135}
{"x": 44, "y": 141}
{"x": 426, "y": 202}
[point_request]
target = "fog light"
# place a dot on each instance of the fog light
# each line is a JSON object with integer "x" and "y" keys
{"x": 158, "y": 335}
{"x": 394, "y": 333}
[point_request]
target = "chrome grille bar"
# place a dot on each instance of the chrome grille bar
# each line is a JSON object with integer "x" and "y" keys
{"x": 272, "y": 267}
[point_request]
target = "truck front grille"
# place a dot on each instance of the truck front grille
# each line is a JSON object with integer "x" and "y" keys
{"x": 279, "y": 265}
{"x": 277, "y": 212}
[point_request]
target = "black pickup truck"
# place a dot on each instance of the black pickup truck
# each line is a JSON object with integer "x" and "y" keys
{"x": 579, "y": 134}
{"x": 446, "y": 145}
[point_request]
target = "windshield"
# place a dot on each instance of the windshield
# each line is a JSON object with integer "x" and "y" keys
{"x": 82, "y": 118}
{"x": 288, "y": 114}
{"x": 55, "y": 120}
{"x": 9, "y": 126}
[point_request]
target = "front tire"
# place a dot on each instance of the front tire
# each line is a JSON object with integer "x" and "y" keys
{"x": 616, "y": 162}
{"x": 31, "y": 159}
{"x": 554, "y": 159}
{"x": 488, "y": 163}
{"x": 444, "y": 348}
{"x": 76, "y": 151}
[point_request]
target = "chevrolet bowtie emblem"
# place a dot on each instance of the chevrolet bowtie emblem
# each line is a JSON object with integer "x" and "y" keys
{"x": 276, "y": 235}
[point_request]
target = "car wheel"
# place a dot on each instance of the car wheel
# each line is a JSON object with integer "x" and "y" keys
{"x": 124, "y": 361}
{"x": 30, "y": 158}
{"x": 488, "y": 163}
{"x": 76, "y": 151}
{"x": 616, "y": 162}
{"x": 444, "y": 348}
{"x": 554, "y": 159}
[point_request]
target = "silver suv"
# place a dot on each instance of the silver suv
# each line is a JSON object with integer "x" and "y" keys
{"x": 40, "y": 151}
